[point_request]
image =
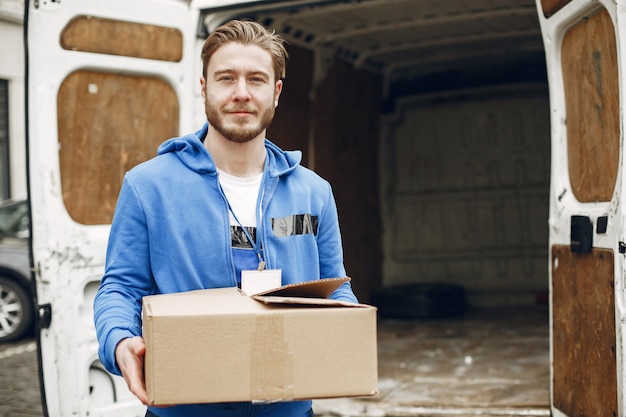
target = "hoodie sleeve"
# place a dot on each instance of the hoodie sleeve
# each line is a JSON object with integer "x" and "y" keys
{"x": 331, "y": 250}
{"x": 127, "y": 278}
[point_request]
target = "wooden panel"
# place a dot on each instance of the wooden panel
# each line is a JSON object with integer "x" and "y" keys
{"x": 475, "y": 165}
{"x": 107, "y": 124}
{"x": 344, "y": 150}
{"x": 346, "y": 119}
{"x": 583, "y": 317}
{"x": 291, "y": 126}
{"x": 589, "y": 58}
{"x": 114, "y": 37}
{"x": 550, "y": 7}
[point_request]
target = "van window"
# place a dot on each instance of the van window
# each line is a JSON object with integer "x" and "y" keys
{"x": 14, "y": 220}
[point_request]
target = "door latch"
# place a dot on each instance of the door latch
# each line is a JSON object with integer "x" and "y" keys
{"x": 581, "y": 234}
{"x": 44, "y": 317}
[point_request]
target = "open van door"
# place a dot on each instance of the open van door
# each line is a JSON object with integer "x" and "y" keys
{"x": 107, "y": 82}
{"x": 586, "y": 60}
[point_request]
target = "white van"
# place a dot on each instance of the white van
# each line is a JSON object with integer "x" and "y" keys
{"x": 477, "y": 143}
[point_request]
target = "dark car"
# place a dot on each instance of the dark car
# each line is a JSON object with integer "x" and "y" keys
{"x": 16, "y": 301}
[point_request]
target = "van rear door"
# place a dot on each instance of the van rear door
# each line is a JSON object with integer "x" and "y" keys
{"x": 107, "y": 82}
{"x": 586, "y": 211}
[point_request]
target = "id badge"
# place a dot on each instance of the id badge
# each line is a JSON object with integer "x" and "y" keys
{"x": 255, "y": 281}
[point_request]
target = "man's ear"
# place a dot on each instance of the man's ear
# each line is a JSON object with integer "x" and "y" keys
{"x": 277, "y": 91}
{"x": 202, "y": 86}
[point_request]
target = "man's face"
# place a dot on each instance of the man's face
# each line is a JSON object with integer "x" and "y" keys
{"x": 239, "y": 91}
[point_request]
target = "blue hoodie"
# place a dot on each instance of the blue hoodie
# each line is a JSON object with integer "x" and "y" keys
{"x": 171, "y": 233}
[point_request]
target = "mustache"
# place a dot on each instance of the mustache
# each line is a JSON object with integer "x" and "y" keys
{"x": 240, "y": 109}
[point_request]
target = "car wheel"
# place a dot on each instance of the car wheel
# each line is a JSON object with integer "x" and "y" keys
{"x": 16, "y": 310}
{"x": 420, "y": 301}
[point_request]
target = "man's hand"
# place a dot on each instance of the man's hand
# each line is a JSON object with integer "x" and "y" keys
{"x": 129, "y": 354}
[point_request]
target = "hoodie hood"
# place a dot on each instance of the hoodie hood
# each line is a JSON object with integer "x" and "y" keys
{"x": 192, "y": 153}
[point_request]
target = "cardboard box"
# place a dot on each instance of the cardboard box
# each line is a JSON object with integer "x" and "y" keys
{"x": 292, "y": 343}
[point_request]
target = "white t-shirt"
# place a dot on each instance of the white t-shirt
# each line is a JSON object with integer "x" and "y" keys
{"x": 242, "y": 196}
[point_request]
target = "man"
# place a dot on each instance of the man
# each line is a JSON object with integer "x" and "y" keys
{"x": 213, "y": 204}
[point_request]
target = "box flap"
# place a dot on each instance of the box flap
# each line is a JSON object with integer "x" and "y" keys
{"x": 320, "y": 288}
{"x": 231, "y": 300}
{"x": 323, "y": 302}
{"x": 307, "y": 293}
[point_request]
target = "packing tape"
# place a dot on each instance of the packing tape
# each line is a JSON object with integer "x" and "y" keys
{"x": 271, "y": 369}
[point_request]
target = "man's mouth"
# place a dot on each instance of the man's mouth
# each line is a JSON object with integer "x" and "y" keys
{"x": 241, "y": 111}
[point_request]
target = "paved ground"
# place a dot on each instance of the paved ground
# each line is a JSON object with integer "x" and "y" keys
{"x": 19, "y": 383}
{"x": 491, "y": 364}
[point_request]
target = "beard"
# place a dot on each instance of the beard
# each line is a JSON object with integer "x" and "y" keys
{"x": 239, "y": 130}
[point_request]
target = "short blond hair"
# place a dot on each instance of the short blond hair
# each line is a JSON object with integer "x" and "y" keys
{"x": 247, "y": 33}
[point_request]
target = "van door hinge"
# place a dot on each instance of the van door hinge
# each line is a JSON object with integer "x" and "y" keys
{"x": 44, "y": 317}
{"x": 622, "y": 247}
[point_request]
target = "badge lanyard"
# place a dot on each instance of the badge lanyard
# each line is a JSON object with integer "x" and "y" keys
{"x": 255, "y": 246}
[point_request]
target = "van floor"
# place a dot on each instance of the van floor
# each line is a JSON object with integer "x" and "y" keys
{"x": 491, "y": 362}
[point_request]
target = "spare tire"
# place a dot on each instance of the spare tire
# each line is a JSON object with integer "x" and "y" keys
{"x": 425, "y": 300}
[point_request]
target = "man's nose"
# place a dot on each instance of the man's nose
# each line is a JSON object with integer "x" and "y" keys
{"x": 241, "y": 90}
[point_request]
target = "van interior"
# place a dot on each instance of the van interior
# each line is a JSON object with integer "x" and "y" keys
{"x": 431, "y": 121}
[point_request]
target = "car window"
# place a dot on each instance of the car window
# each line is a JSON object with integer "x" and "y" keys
{"x": 14, "y": 219}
